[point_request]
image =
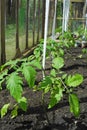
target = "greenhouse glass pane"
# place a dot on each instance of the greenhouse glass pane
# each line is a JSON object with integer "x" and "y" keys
{"x": 22, "y": 24}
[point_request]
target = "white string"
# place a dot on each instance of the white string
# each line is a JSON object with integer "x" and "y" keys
{"x": 67, "y": 14}
{"x": 66, "y": 6}
{"x": 86, "y": 22}
{"x": 85, "y": 14}
{"x": 45, "y": 34}
{"x": 84, "y": 9}
{"x": 63, "y": 22}
{"x": 11, "y": 2}
{"x": 54, "y": 21}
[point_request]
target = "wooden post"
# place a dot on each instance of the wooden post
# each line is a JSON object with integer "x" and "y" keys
{"x": 17, "y": 24}
{"x": 38, "y": 21}
{"x": 50, "y": 18}
{"x": 27, "y": 23}
{"x": 2, "y": 32}
{"x": 43, "y": 17}
{"x": 34, "y": 13}
{"x": 18, "y": 53}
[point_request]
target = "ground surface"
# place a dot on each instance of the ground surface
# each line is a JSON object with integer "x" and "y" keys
{"x": 60, "y": 118}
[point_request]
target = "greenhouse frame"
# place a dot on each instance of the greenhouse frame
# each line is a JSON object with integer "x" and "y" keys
{"x": 12, "y": 16}
{"x": 43, "y": 64}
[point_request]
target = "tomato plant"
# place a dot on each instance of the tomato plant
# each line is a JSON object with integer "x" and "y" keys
{"x": 57, "y": 83}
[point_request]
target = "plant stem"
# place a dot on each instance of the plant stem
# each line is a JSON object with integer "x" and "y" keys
{"x": 64, "y": 85}
{"x": 44, "y": 108}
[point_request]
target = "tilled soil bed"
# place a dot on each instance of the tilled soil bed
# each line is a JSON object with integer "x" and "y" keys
{"x": 59, "y": 117}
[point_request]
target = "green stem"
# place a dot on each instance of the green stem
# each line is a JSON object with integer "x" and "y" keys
{"x": 64, "y": 86}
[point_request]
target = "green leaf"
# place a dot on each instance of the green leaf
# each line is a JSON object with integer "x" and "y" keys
{"x": 84, "y": 50}
{"x": 46, "y": 82}
{"x": 59, "y": 95}
{"x": 74, "y": 81}
{"x": 23, "y": 60}
{"x": 47, "y": 89}
{"x": 36, "y": 63}
{"x": 1, "y": 84}
{"x": 3, "y": 74}
{"x": 31, "y": 57}
{"x": 56, "y": 96}
{"x": 53, "y": 73}
{"x": 1, "y": 68}
{"x": 37, "y": 52}
{"x": 58, "y": 63}
{"x": 4, "y": 110}
{"x": 64, "y": 76}
{"x": 74, "y": 104}
{"x": 61, "y": 52}
{"x": 14, "y": 84}
{"x": 29, "y": 74}
{"x": 23, "y": 103}
{"x": 52, "y": 102}
{"x": 14, "y": 112}
{"x": 11, "y": 63}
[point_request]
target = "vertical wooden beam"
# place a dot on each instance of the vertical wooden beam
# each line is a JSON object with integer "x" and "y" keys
{"x": 18, "y": 53}
{"x": 2, "y": 32}
{"x": 43, "y": 17}
{"x": 38, "y": 30}
{"x": 57, "y": 15}
{"x": 34, "y": 19}
{"x": 49, "y": 18}
{"x": 27, "y": 23}
{"x": 17, "y": 24}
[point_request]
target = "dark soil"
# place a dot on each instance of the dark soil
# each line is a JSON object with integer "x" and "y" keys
{"x": 59, "y": 117}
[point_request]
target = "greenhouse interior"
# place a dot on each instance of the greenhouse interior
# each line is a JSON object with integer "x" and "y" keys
{"x": 43, "y": 64}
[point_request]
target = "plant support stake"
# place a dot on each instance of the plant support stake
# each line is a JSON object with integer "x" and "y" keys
{"x": 66, "y": 6}
{"x": 84, "y": 8}
{"x": 45, "y": 35}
